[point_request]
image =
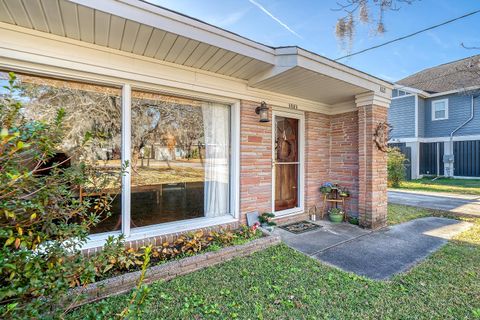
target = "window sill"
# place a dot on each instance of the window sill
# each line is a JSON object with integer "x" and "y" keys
{"x": 98, "y": 240}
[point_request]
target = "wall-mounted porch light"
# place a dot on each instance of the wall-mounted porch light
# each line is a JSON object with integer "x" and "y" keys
{"x": 262, "y": 110}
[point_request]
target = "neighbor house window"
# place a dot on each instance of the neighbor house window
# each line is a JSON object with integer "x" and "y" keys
{"x": 440, "y": 109}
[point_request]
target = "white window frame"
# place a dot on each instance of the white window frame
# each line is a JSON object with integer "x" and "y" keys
{"x": 300, "y": 115}
{"x": 98, "y": 239}
{"x": 445, "y": 101}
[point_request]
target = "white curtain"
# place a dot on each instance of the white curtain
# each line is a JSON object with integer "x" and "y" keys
{"x": 216, "y": 122}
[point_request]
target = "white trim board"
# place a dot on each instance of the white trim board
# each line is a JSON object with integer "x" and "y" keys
{"x": 98, "y": 240}
{"x": 416, "y": 115}
{"x": 424, "y": 94}
{"x": 435, "y": 139}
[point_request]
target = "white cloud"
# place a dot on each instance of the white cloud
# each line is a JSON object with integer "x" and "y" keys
{"x": 268, "y": 13}
{"x": 229, "y": 19}
{"x": 437, "y": 39}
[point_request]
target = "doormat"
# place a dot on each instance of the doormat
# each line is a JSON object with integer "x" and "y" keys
{"x": 300, "y": 227}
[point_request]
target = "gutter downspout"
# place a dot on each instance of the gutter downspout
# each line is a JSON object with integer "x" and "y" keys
{"x": 472, "y": 114}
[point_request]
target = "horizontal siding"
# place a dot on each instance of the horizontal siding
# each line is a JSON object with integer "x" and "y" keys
{"x": 401, "y": 117}
{"x": 458, "y": 112}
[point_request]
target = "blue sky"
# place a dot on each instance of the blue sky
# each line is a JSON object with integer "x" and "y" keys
{"x": 311, "y": 25}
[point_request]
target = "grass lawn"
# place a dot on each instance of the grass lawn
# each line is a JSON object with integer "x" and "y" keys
{"x": 399, "y": 213}
{"x": 461, "y": 186}
{"x": 280, "y": 283}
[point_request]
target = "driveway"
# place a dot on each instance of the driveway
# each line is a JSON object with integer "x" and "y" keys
{"x": 458, "y": 203}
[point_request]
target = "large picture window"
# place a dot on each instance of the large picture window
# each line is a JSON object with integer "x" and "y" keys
{"x": 180, "y": 154}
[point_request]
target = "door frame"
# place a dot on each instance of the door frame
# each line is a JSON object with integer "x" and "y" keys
{"x": 300, "y": 115}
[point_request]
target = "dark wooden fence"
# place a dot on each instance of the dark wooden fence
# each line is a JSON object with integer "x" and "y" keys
{"x": 431, "y": 158}
{"x": 467, "y": 158}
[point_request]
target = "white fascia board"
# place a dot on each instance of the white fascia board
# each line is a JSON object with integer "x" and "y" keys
{"x": 421, "y": 93}
{"x": 343, "y": 72}
{"x": 169, "y": 21}
{"x": 416, "y": 115}
{"x": 435, "y": 139}
{"x": 433, "y": 95}
{"x": 424, "y": 94}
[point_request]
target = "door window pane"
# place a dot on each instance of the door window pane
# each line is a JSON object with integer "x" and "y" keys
{"x": 180, "y": 159}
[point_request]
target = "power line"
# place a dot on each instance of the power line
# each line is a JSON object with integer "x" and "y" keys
{"x": 408, "y": 36}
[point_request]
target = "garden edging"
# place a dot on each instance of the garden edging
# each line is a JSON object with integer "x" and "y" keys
{"x": 169, "y": 270}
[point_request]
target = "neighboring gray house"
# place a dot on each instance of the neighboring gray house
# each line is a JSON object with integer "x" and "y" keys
{"x": 435, "y": 115}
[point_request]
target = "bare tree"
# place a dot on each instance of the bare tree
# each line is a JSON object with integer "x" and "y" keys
{"x": 87, "y": 112}
{"x": 369, "y": 12}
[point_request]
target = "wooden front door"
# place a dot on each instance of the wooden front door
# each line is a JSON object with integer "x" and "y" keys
{"x": 286, "y": 163}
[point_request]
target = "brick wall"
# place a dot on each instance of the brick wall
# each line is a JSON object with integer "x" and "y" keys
{"x": 344, "y": 155}
{"x": 331, "y": 154}
{"x": 255, "y": 161}
{"x": 372, "y": 169}
{"x": 317, "y": 156}
{"x": 338, "y": 148}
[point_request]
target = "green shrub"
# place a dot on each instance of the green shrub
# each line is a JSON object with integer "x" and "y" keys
{"x": 43, "y": 223}
{"x": 395, "y": 167}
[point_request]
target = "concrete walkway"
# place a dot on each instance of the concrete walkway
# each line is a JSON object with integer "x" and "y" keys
{"x": 378, "y": 254}
{"x": 458, "y": 203}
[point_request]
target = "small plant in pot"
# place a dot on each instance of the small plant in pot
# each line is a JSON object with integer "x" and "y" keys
{"x": 336, "y": 215}
{"x": 266, "y": 222}
{"x": 343, "y": 192}
{"x": 326, "y": 188}
{"x": 353, "y": 219}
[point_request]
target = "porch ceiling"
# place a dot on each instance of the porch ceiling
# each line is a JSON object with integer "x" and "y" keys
{"x": 160, "y": 39}
{"x": 307, "y": 84}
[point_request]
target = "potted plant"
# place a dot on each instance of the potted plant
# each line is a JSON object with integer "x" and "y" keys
{"x": 353, "y": 219}
{"x": 336, "y": 215}
{"x": 343, "y": 192}
{"x": 326, "y": 188}
{"x": 266, "y": 222}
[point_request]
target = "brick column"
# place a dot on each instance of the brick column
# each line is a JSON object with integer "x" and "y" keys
{"x": 255, "y": 161}
{"x": 372, "y": 197}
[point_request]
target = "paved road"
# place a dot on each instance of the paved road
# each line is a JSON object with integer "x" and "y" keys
{"x": 463, "y": 204}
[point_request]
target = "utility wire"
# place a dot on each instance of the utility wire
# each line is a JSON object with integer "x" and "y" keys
{"x": 408, "y": 36}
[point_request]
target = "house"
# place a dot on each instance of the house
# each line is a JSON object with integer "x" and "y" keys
{"x": 264, "y": 126}
{"x": 435, "y": 115}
